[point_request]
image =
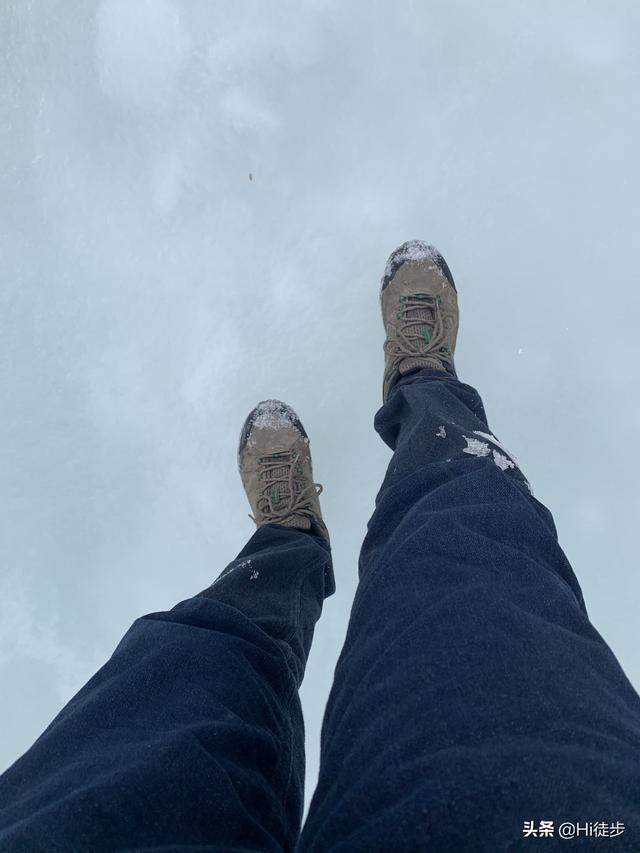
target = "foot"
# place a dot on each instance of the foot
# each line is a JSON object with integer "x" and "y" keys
{"x": 275, "y": 465}
{"x": 419, "y": 312}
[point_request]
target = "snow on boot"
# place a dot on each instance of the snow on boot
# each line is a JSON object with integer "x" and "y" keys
{"x": 274, "y": 460}
{"x": 419, "y": 311}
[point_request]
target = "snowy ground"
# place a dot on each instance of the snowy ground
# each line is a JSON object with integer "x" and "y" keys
{"x": 198, "y": 202}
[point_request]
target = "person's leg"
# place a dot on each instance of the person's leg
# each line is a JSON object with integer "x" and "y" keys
{"x": 192, "y": 734}
{"x": 472, "y": 693}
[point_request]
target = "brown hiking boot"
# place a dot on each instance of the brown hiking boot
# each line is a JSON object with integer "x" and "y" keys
{"x": 419, "y": 311}
{"x": 275, "y": 465}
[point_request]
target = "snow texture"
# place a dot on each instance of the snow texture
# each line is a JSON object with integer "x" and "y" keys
{"x": 152, "y": 293}
{"x": 476, "y": 448}
{"x": 412, "y": 250}
{"x": 502, "y": 461}
{"x": 273, "y": 416}
{"x": 489, "y": 437}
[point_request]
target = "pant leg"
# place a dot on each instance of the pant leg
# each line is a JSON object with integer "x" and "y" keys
{"x": 191, "y": 736}
{"x": 472, "y": 693}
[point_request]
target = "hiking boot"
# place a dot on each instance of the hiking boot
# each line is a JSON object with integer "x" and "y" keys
{"x": 275, "y": 465}
{"x": 419, "y": 311}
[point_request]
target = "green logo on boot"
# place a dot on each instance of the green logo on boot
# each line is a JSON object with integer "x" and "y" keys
{"x": 426, "y": 335}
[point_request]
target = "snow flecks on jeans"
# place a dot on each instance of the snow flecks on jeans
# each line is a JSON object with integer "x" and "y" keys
{"x": 254, "y": 575}
{"x": 232, "y": 567}
{"x": 476, "y": 448}
{"x": 490, "y": 437}
{"x": 481, "y": 449}
{"x": 442, "y": 432}
{"x": 503, "y": 462}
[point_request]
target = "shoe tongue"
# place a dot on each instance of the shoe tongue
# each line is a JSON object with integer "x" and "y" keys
{"x": 280, "y": 491}
{"x": 281, "y": 496}
{"x": 278, "y": 473}
{"x": 426, "y": 331}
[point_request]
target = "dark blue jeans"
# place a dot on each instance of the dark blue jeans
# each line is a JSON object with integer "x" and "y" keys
{"x": 472, "y": 694}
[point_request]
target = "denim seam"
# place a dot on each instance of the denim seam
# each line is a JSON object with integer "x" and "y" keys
{"x": 293, "y": 695}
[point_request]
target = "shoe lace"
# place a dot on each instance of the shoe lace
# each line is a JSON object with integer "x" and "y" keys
{"x": 420, "y": 330}
{"x": 284, "y": 492}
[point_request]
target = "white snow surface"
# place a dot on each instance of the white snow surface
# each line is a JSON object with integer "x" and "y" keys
{"x": 152, "y": 293}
